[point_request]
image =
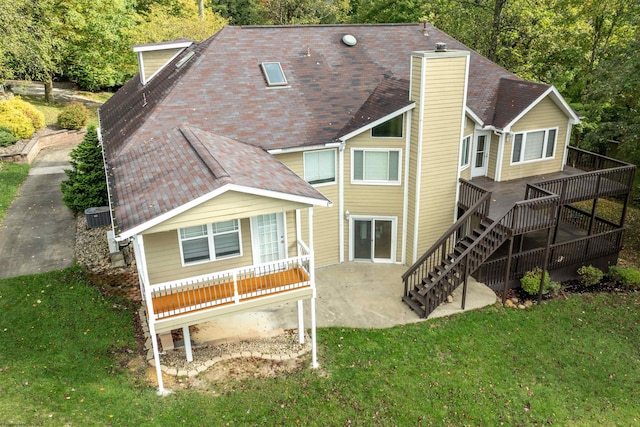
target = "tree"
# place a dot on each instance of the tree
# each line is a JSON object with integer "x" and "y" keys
{"x": 97, "y": 51}
{"x": 237, "y": 12}
{"x": 288, "y": 12}
{"x": 30, "y": 46}
{"x": 177, "y": 20}
{"x": 86, "y": 184}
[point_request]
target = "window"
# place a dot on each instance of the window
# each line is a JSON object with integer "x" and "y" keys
{"x": 376, "y": 166}
{"x": 464, "y": 151}
{"x": 533, "y": 145}
{"x": 320, "y": 167}
{"x": 389, "y": 129}
{"x": 209, "y": 242}
{"x": 274, "y": 74}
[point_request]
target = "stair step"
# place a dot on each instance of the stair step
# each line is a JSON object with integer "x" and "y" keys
{"x": 415, "y": 306}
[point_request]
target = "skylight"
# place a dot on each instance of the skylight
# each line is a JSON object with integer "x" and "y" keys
{"x": 274, "y": 74}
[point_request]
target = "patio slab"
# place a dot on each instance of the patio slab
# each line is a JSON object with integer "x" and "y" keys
{"x": 353, "y": 295}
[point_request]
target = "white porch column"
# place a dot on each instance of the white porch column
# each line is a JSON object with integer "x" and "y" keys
{"x": 312, "y": 273}
{"x": 141, "y": 263}
{"x": 186, "y": 336}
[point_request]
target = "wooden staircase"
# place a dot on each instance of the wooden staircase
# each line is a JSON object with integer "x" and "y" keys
{"x": 470, "y": 242}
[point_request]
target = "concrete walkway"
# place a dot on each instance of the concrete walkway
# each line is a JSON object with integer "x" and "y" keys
{"x": 38, "y": 230}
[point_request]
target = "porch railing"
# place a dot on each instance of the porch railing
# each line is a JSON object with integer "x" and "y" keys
{"x": 230, "y": 286}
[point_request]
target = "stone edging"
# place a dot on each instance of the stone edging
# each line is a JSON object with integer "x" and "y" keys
{"x": 38, "y": 142}
{"x": 198, "y": 368}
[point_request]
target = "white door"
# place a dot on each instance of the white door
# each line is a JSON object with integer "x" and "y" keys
{"x": 268, "y": 238}
{"x": 480, "y": 157}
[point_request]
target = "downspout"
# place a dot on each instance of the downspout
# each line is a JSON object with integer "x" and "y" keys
{"x": 566, "y": 144}
{"x": 106, "y": 177}
{"x": 341, "y": 199}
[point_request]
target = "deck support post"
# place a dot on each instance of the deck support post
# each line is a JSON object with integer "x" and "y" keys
{"x": 314, "y": 352}
{"x": 464, "y": 285}
{"x": 300, "y": 323}
{"x": 187, "y": 343}
{"x": 156, "y": 351}
{"x": 545, "y": 265}
{"x": 507, "y": 271}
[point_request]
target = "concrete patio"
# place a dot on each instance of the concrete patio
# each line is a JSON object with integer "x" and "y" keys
{"x": 354, "y": 295}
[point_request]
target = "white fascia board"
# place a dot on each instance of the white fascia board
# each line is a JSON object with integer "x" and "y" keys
{"x": 473, "y": 115}
{"x": 202, "y": 199}
{"x": 377, "y": 122}
{"x": 161, "y": 46}
{"x": 556, "y": 98}
{"x": 305, "y": 148}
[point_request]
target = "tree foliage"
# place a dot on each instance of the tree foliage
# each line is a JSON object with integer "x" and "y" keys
{"x": 178, "y": 19}
{"x": 287, "y": 12}
{"x": 86, "y": 184}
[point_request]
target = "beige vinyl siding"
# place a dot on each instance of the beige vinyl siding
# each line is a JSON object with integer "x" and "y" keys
{"x": 545, "y": 115}
{"x": 325, "y": 220}
{"x": 416, "y": 69}
{"x": 469, "y": 128}
{"x": 443, "y": 112}
{"x": 227, "y": 206}
{"x": 155, "y": 59}
{"x": 493, "y": 156}
{"x": 164, "y": 261}
{"x": 374, "y": 200}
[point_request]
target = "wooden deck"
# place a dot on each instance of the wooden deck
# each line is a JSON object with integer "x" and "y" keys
{"x": 195, "y": 297}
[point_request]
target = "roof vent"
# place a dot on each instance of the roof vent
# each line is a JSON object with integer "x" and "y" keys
{"x": 349, "y": 40}
{"x": 184, "y": 59}
{"x": 441, "y": 47}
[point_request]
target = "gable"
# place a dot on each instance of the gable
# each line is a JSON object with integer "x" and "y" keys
{"x": 226, "y": 206}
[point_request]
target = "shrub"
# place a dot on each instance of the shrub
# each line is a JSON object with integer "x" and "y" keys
{"x": 22, "y": 118}
{"x": 6, "y": 137}
{"x": 530, "y": 282}
{"x": 628, "y": 277}
{"x": 590, "y": 275}
{"x": 86, "y": 185}
{"x": 73, "y": 116}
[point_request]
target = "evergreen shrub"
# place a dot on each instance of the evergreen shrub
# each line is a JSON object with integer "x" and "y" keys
{"x": 86, "y": 185}
{"x": 530, "y": 282}
{"x": 21, "y": 117}
{"x": 627, "y": 277}
{"x": 6, "y": 137}
{"x": 74, "y": 116}
{"x": 590, "y": 275}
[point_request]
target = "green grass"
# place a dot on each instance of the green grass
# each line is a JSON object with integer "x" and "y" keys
{"x": 52, "y": 110}
{"x": 65, "y": 350}
{"x": 11, "y": 176}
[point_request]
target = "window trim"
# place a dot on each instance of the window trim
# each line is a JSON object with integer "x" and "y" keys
{"x": 469, "y": 139}
{"x": 401, "y": 117}
{"x": 335, "y": 167}
{"x": 524, "y": 144}
{"x": 210, "y": 241}
{"x": 376, "y": 182}
{"x": 263, "y": 66}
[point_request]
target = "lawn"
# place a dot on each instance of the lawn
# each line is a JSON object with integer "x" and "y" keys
{"x": 66, "y": 352}
{"x": 52, "y": 110}
{"x": 11, "y": 176}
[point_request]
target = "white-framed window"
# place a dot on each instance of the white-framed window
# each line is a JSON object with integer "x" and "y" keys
{"x": 465, "y": 150}
{"x": 390, "y": 129}
{"x": 534, "y": 145}
{"x": 320, "y": 167}
{"x": 209, "y": 242}
{"x": 375, "y": 166}
{"x": 274, "y": 74}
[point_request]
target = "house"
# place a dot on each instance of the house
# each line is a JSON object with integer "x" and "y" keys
{"x": 237, "y": 165}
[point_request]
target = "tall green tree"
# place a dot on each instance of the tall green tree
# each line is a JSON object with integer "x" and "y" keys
{"x": 287, "y": 12}
{"x": 86, "y": 184}
{"x": 237, "y": 12}
{"x": 29, "y": 44}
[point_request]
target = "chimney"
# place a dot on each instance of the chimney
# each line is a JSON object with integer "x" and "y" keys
{"x": 441, "y": 47}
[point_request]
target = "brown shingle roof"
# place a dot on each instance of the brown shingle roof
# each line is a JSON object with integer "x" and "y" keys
{"x": 333, "y": 89}
{"x": 513, "y": 97}
{"x": 193, "y": 163}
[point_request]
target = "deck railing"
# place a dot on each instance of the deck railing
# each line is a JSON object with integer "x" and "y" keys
{"x": 577, "y": 251}
{"x": 230, "y": 286}
{"x": 581, "y": 219}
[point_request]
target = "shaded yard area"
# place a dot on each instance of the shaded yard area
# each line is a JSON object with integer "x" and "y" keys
{"x": 70, "y": 356}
